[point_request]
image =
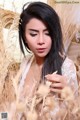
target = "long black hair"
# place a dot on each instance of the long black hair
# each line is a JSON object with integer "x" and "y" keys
{"x": 45, "y": 13}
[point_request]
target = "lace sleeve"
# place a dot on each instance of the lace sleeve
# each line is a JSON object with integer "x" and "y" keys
{"x": 69, "y": 70}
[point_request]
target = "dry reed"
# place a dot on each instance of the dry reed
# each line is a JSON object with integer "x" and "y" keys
{"x": 43, "y": 102}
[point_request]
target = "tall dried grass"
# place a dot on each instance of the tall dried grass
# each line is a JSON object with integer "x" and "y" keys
{"x": 43, "y": 102}
{"x": 41, "y": 105}
{"x": 6, "y": 20}
{"x": 3, "y": 60}
{"x": 68, "y": 14}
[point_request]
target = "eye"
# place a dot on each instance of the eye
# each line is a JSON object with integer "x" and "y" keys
{"x": 33, "y": 34}
{"x": 48, "y": 34}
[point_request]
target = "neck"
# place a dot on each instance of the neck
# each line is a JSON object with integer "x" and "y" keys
{"x": 37, "y": 65}
{"x": 39, "y": 61}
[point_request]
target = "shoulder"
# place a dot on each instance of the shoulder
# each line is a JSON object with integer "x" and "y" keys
{"x": 24, "y": 66}
{"x": 26, "y": 59}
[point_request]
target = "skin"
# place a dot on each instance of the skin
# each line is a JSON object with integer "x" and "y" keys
{"x": 39, "y": 42}
{"x": 58, "y": 82}
{"x": 38, "y": 39}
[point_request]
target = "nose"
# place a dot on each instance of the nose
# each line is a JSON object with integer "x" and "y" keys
{"x": 41, "y": 39}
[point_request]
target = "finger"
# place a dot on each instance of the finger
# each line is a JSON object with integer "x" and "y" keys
{"x": 57, "y": 85}
{"x": 55, "y": 90}
{"x": 56, "y": 78}
{"x": 53, "y": 78}
{"x": 46, "y": 76}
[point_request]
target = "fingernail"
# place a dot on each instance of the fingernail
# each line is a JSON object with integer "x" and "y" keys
{"x": 55, "y": 72}
{"x": 47, "y": 76}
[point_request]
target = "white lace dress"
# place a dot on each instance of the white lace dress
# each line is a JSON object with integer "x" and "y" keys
{"x": 68, "y": 70}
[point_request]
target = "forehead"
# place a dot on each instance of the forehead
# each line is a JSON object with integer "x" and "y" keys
{"x": 36, "y": 24}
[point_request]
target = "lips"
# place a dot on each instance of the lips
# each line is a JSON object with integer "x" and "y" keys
{"x": 40, "y": 50}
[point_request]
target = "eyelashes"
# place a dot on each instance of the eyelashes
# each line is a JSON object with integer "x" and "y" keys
{"x": 34, "y": 34}
{"x": 47, "y": 34}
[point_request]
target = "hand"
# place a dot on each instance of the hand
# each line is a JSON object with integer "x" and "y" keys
{"x": 58, "y": 82}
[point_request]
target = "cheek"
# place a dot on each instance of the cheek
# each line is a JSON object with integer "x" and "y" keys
{"x": 31, "y": 44}
{"x": 29, "y": 41}
{"x": 49, "y": 43}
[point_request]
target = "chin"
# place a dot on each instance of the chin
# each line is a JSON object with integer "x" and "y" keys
{"x": 42, "y": 56}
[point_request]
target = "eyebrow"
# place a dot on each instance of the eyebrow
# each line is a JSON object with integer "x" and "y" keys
{"x": 37, "y": 30}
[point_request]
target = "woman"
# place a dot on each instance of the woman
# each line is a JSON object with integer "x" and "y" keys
{"x": 40, "y": 33}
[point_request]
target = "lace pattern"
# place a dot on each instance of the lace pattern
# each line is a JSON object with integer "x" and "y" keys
{"x": 68, "y": 70}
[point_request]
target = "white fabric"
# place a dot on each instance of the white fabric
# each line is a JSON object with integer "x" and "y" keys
{"x": 68, "y": 70}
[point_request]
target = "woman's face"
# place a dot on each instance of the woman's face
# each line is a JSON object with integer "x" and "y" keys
{"x": 38, "y": 38}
